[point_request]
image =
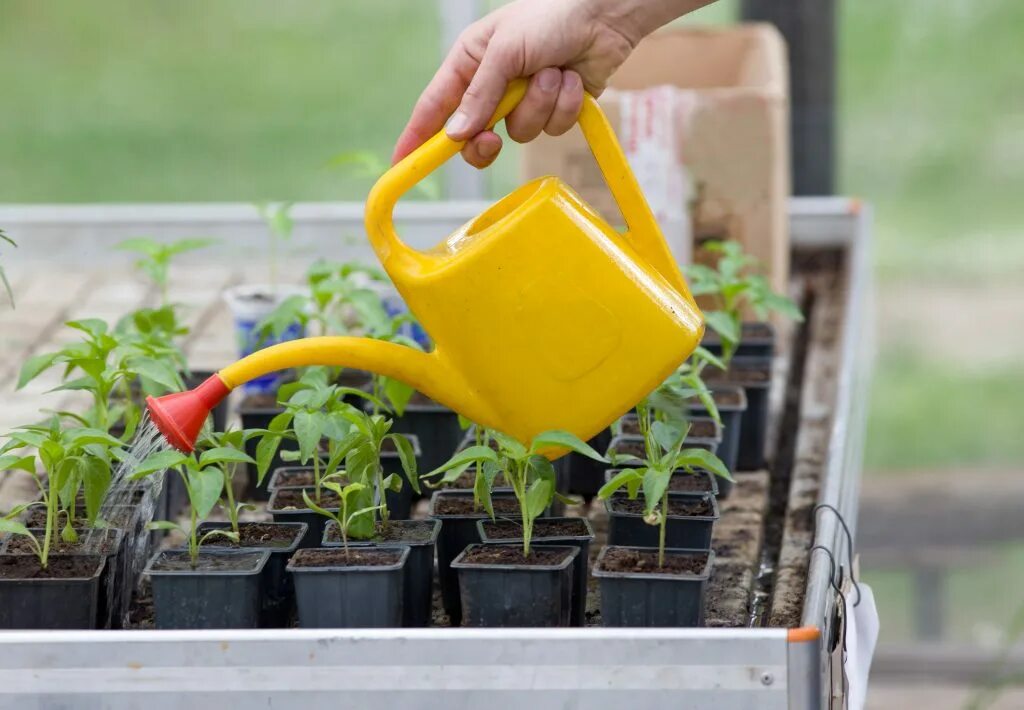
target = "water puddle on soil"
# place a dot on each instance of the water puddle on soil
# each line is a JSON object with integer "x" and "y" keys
{"x": 130, "y": 506}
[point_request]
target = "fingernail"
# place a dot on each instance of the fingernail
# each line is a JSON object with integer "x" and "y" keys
{"x": 457, "y": 125}
{"x": 549, "y": 79}
{"x": 488, "y": 150}
{"x": 570, "y": 80}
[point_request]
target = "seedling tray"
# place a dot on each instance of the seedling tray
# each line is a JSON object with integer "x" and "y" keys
{"x": 781, "y": 659}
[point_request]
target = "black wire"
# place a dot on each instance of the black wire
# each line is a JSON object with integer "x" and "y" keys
{"x": 842, "y": 597}
{"x": 849, "y": 542}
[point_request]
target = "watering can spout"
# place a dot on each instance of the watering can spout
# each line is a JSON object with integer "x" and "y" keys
{"x": 180, "y": 416}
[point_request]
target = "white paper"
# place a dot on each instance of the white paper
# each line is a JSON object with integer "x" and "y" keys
{"x": 861, "y": 637}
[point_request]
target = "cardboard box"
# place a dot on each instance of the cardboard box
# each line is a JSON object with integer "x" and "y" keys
{"x": 726, "y": 92}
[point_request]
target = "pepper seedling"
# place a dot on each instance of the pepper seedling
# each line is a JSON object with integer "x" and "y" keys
{"x": 72, "y": 460}
{"x": 526, "y": 469}
{"x": 349, "y": 514}
{"x": 735, "y": 284}
{"x": 204, "y": 478}
{"x": 155, "y": 258}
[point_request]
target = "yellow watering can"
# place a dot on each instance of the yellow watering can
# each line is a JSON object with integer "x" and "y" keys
{"x": 543, "y": 316}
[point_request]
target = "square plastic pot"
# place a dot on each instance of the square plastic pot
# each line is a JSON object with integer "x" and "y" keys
{"x": 757, "y": 339}
{"x": 350, "y": 597}
{"x": 581, "y": 565}
{"x": 585, "y": 476}
{"x": 707, "y": 482}
{"x": 314, "y": 521}
{"x": 495, "y": 595}
{"x": 692, "y": 532}
{"x": 418, "y": 584}
{"x": 731, "y": 401}
{"x": 652, "y": 600}
{"x": 278, "y": 592}
{"x": 754, "y": 375}
{"x": 46, "y": 604}
{"x": 436, "y": 427}
{"x": 457, "y": 533}
{"x": 208, "y": 598}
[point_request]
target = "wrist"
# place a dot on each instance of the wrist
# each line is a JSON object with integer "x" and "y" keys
{"x": 635, "y": 19}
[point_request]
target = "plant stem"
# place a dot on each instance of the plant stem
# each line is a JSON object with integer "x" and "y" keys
{"x": 230, "y": 495}
{"x": 661, "y": 531}
{"x": 193, "y": 542}
{"x": 51, "y": 514}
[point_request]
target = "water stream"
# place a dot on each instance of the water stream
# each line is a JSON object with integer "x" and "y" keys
{"x": 129, "y": 506}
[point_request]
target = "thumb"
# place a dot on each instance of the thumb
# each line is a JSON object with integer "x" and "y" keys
{"x": 483, "y": 94}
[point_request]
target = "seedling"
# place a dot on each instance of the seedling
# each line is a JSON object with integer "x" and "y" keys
{"x": 735, "y": 285}
{"x": 204, "y": 477}
{"x": 349, "y": 513}
{"x": 155, "y": 258}
{"x": 664, "y": 454}
{"x": 72, "y": 460}
{"x": 3, "y": 274}
{"x": 104, "y": 363}
{"x": 278, "y": 218}
{"x": 227, "y": 450}
{"x": 526, "y": 469}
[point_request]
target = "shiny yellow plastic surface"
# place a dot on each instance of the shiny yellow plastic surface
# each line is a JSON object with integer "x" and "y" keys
{"x": 543, "y": 316}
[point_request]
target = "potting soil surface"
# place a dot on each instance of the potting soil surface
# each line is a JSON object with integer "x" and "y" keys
{"x": 67, "y": 567}
{"x": 256, "y": 535}
{"x": 621, "y": 560}
{"x": 687, "y": 483}
{"x": 100, "y": 545}
{"x": 292, "y": 499}
{"x": 513, "y": 555}
{"x": 464, "y": 505}
{"x": 504, "y": 529}
{"x": 351, "y": 557}
{"x": 395, "y": 531}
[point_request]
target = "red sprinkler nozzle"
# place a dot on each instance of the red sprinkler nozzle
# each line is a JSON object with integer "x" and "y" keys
{"x": 181, "y": 415}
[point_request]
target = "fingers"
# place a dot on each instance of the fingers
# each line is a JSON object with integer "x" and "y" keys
{"x": 531, "y": 115}
{"x": 482, "y": 149}
{"x": 567, "y": 108}
{"x": 484, "y": 93}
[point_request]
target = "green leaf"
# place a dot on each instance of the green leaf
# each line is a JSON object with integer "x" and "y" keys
{"x": 12, "y": 462}
{"x": 618, "y": 481}
{"x": 472, "y": 454}
{"x": 393, "y": 483}
{"x": 311, "y": 504}
{"x": 158, "y": 372}
{"x": 565, "y": 440}
{"x": 95, "y": 475}
{"x": 724, "y": 324}
{"x": 398, "y": 394}
{"x": 668, "y": 435}
{"x": 13, "y": 527}
{"x": 35, "y": 366}
{"x": 482, "y": 487}
{"x": 407, "y": 456}
{"x": 308, "y": 431}
{"x": 162, "y": 525}
{"x": 86, "y": 436}
{"x": 538, "y": 497}
{"x": 224, "y": 454}
{"x": 509, "y": 446}
{"x": 207, "y": 485}
{"x": 90, "y": 326}
{"x": 159, "y": 461}
{"x": 701, "y": 458}
{"x": 656, "y": 481}
{"x": 540, "y": 468}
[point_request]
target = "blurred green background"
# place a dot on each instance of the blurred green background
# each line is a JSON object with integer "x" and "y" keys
{"x": 144, "y": 100}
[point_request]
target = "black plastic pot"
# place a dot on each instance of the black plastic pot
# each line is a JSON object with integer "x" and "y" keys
{"x": 278, "y": 591}
{"x": 706, "y": 482}
{"x": 257, "y": 415}
{"x": 457, "y": 533}
{"x": 339, "y": 596}
{"x": 224, "y": 592}
{"x": 754, "y": 376}
{"x": 731, "y": 401}
{"x": 51, "y": 603}
{"x": 314, "y": 521}
{"x": 513, "y": 595}
{"x": 757, "y": 339}
{"x": 580, "y": 566}
{"x": 652, "y": 600}
{"x": 114, "y": 568}
{"x": 585, "y": 475}
{"x": 418, "y": 584}
{"x": 436, "y": 427}
{"x": 626, "y": 443}
{"x": 691, "y": 532}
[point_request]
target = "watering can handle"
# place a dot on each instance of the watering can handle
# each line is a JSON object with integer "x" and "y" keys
{"x": 644, "y": 233}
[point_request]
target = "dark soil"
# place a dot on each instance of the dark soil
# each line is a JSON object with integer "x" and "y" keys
{"x": 102, "y": 544}
{"x": 180, "y": 562}
{"x": 686, "y": 483}
{"x": 256, "y": 535}
{"x": 295, "y": 478}
{"x": 726, "y": 398}
{"x": 394, "y": 531}
{"x": 352, "y": 557}
{"x": 634, "y": 448}
{"x": 291, "y": 498}
{"x": 463, "y": 505}
{"x": 740, "y": 374}
{"x": 676, "y": 506}
{"x": 68, "y": 567}
{"x": 542, "y": 529}
{"x": 513, "y": 555}
{"x": 637, "y": 562}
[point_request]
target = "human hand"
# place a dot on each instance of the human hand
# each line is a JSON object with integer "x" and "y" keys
{"x": 566, "y": 46}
